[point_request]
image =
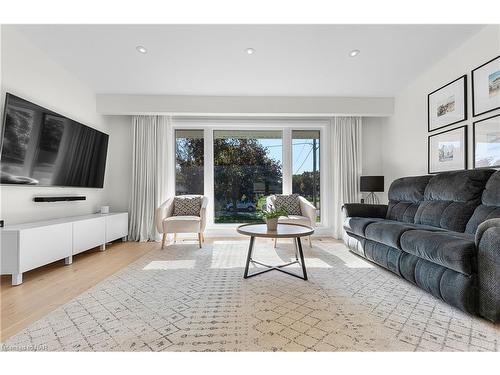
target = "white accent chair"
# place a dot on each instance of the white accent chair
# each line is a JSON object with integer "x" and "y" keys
{"x": 167, "y": 223}
{"x": 307, "y": 217}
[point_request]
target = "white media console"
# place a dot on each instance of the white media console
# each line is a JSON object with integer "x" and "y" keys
{"x": 31, "y": 245}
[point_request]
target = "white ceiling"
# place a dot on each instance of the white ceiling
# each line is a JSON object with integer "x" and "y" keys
{"x": 289, "y": 60}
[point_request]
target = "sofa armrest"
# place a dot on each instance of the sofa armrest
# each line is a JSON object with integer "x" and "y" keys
{"x": 488, "y": 261}
{"x": 365, "y": 210}
{"x": 308, "y": 210}
{"x": 162, "y": 212}
{"x": 484, "y": 226}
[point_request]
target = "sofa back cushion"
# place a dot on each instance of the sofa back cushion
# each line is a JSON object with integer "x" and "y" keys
{"x": 490, "y": 204}
{"x": 451, "y": 198}
{"x": 405, "y": 195}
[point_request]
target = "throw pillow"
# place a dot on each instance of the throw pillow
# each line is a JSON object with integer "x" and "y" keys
{"x": 187, "y": 206}
{"x": 289, "y": 202}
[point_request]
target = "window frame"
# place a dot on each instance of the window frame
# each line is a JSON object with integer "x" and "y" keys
{"x": 320, "y": 168}
{"x": 284, "y": 125}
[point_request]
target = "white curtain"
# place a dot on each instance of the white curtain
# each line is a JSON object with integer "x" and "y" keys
{"x": 149, "y": 172}
{"x": 346, "y": 157}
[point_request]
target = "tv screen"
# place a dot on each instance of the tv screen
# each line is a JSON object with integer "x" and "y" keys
{"x": 43, "y": 148}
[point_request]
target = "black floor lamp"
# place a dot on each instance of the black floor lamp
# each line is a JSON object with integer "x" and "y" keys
{"x": 371, "y": 184}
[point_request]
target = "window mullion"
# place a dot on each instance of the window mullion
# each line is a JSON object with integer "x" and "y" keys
{"x": 209, "y": 173}
{"x": 287, "y": 161}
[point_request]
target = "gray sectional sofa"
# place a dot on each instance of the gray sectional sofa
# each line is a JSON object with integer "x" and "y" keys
{"x": 439, "y": 232}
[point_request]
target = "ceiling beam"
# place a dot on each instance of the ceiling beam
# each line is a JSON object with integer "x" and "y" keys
{"x": 124, "y": 104}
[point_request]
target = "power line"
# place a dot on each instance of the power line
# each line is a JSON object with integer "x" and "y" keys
{"x": 305, "y": 159}
{"x": 301, "y": 150}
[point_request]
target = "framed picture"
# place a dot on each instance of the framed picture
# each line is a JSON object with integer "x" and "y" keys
{"x": 447, "y": 105}
{"x": 447, "y": 151}
{"x": 486, "y": 87}
{"x": 487, "y": 143}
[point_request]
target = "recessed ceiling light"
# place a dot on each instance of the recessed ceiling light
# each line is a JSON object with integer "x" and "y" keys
{"x": 141, "y": 49}
{"x": 250, "y": 51}
{"x": 354, "y": 52}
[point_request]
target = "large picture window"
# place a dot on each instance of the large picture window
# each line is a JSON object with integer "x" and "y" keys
{"x": 189, "y": 162}
{"x": 305, "y": 165}
{"x": 247, "y": 168}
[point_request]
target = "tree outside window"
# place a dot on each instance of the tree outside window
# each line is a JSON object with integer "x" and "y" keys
{"x": 189, "y": 162}
{"x": 247, "y": 168}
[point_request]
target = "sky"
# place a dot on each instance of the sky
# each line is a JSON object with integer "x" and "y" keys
{"x": 300, "y": 151}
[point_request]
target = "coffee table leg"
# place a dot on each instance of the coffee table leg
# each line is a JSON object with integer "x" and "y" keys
{"x": 302, "y": 263}
{"x": 296, "y": 247}
{"x": 249, "y": 257}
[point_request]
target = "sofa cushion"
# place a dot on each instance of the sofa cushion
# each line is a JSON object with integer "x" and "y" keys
{"x": 452, "y": 250}
{"x": 451, "y": 198}
{"x": 357, "y": 225}
{"x": 482, "y": 213}
{"x": 405, "y": 195}
{"x": 385, "y": 256}
{"x": 491, "y": 194}
{"x": 182, "y": 224}
{"x": 490, "y": 204}
{"x": 295, "y": 219}
{"x": 453, "y": 287}
{"x": 389, "y": 232}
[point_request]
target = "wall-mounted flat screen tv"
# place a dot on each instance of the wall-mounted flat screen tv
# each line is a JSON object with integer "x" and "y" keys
{"x": 43, "y": 148}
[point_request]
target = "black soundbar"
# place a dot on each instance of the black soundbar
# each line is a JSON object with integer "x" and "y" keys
{"x": 59, "y": 199}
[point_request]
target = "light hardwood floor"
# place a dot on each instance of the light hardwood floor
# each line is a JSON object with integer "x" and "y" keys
{"x": 46, "y": 288}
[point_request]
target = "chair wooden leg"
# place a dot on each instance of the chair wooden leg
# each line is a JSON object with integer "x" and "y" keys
{"x": 175, "y": 237}
{"x": 163, "y": 240}
{"x": 275, "y": 242}
{"x": 199, "y": 239}
{"x": 310, "y": 242}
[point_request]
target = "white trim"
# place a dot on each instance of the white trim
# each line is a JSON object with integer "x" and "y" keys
{"x": 325, "y": 171}
{"x": 289, "y": 106}
{"x": 287, "y": 160}
{"x": 285, "y": 125}
{"x": 262, "y": 123}
{"x": 208, "y": 173}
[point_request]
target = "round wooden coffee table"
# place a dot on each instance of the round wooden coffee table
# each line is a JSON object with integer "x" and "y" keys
{"x": 294, "y": 231}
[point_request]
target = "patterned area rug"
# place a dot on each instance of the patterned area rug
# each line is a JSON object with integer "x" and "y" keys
{"x": 189, "y": 299}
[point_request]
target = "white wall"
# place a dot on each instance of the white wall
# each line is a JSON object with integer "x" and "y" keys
{"x": 30, "y": 74}
{"x": 405, "y": 133}
{"x": 372, "y": 145}
{"x": 372, "y": 148}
